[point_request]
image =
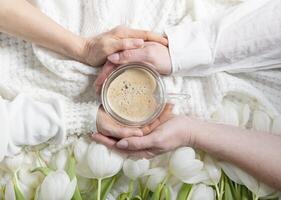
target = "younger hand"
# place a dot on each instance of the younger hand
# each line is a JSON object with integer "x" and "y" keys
{"x": 176, "y": 132}
{"x": 152, "y": 52}
{"x": 96, "y": 49}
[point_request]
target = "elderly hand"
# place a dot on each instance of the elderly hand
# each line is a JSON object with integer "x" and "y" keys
{"x": 152, "y": 53}
{"x": 172, "y": 133}
{"x": 95, "y": 50}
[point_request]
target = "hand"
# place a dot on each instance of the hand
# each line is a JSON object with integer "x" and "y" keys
{"x": 110, "y": 128}
{"x": 152, "y": 53}
{"x": 95, "y": 50}
{"x": 173, "y": 133}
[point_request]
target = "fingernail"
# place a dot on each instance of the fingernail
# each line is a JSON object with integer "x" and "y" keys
{"x": 138, "y": 42}
{"x": 114, "y": 57}
{"x": 123, "y": 144}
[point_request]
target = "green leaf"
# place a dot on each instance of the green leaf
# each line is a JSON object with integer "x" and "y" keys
{"x": 43, "y": 170}
{"x": 70, "y": 169}
{"x": 184, "y": 191}
{"x": 137, "y": 198}
{"x": 228, "y": 195}
{"x": 18, "y": 193}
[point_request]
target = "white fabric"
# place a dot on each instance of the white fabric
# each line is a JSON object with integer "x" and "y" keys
{"x": 58, "y": 92}
{"x": 240, "y": 38}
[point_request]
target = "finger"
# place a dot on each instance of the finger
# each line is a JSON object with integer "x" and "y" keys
{"x": 136, "y": 143}
{"x": 125, "y": 44}
{"x": 109, "y": 142}
{"x": 133, "y": 55}
{"x": 165, "y": 116}
{"x": 106, "y": 70}
{"x": 145, "y": 35}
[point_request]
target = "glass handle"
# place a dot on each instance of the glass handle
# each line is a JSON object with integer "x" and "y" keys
{"x": 178, "y": 96}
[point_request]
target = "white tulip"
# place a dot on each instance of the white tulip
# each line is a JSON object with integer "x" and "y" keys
{"x": 57, "y": 186}
{"x": 155, "y": 177}
{"x": 213, "y": 170}
{"x": 185, "y": 166}
{"x": 276, "y": 125}
{"x": 227, "y": 114}
{"x": 84, "y": 184}
{"x": 80, "y": 149}
{"x": 103, "y": 162}
{"x": 133, "y": 169}
{"x": 202, "y": 192}
{"x": 12, "y": 164}
{"x": 28, "y": 182}
{"x": 261, "y": 121}
{"x": 59, "y": 160}
{"x": 96, "y": 160}
{"x": 228, "y": 170}
{"x": 239, "y": 176}
{"x": 121, "y": 186}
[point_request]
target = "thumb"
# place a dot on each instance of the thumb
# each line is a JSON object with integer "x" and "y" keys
{"x": 133, "y": 55}
{"x": 136, "y": 143}
{"x": 106, "y": 70}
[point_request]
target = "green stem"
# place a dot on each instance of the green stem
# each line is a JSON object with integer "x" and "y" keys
{"x": 131, "y": 188}
{"x": 218, "y": 191}
{"x": 99, "y": 188}
{"x": 255, "y": 197}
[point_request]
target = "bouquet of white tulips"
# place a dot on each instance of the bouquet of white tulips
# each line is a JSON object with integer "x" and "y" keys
{"x": 83, "y": 169}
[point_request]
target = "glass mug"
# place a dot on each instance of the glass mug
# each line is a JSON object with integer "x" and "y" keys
{"x": 160, "y": 94}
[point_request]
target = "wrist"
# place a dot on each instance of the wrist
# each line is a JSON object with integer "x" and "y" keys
{"x": 195, "y": 131}
{"x": 76, "y": 47}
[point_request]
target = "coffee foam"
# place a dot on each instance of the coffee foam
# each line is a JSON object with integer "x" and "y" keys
{"x": 131, "y": 95}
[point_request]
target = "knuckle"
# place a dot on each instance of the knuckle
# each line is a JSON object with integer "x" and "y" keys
{"x": 149, "y": 54}
{"x": 126, "y": 54}
{"x": 119, "y": 29}
{"x": 125, "y": 44}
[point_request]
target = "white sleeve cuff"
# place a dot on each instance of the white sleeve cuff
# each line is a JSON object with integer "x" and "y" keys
{"x": 189, "y": 48}
{"x": 80, "y": 118}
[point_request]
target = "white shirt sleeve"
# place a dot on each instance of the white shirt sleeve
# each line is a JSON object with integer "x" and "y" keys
{"x": 25, "y": 121}
{"x": 245, "y": 37}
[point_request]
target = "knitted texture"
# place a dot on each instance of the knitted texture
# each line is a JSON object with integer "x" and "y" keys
{"x": 31, "y": 69}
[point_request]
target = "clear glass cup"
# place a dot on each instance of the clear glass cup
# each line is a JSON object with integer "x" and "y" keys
{"x": 160, "y": 94}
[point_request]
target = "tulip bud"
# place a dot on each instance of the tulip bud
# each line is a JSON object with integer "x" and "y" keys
{"x": 103, "y": 162}
{"x": 57, "y": 186}
{"x": 261, "y": 121}
{"x": 201, "y": 192}
{"x": 59, "y": 160}
{"x": 133, "y": 169}
{"x": 213, "y": 170}
{"x": 12, "y": 164}
{"x": 155, "y": 177}
{"x": 184, "y": 165}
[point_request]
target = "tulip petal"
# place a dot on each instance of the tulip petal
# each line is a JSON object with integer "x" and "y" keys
{"x": 201, "y": 176}
{"x": 213, "y": 169}
{"x": 201, "y": 192}
{"x": 70, "y": 189}
{"x": 276, "y": 125}
{"x": 261, "y": 121}
{"x": 230, "y": 172}
{"x": 9, "y": 191}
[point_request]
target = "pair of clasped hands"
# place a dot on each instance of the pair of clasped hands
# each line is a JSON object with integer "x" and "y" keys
{"x": 123, "y": 45}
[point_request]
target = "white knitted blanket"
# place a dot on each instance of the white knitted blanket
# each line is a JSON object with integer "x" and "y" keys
{"x": 34, "y": 70}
